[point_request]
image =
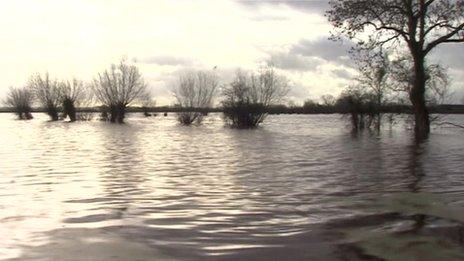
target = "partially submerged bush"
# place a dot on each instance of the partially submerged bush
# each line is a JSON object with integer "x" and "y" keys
{"x": 147, "y": 104}
{"x": 362, "y": 108}
{"x": 194, "y": 92}
{"x": 48, "y": 93}
{"x": 73, "y": 95}
{"x": 243, "y": 114}
{"x": 249, "y": 96}
{"x": 20, "y": 100}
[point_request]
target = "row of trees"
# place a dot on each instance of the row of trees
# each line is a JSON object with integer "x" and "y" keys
{"x": 114, "y": 89}
{"x": 245, "y": 101}
{"x": 383, "y": 79}
{"x": 53, "y": 95}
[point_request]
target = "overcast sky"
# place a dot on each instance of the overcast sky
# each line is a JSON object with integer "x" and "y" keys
{"x": 81, "y": 38}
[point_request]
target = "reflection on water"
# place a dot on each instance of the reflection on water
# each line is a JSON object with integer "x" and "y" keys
{"x": 301, "y": 187}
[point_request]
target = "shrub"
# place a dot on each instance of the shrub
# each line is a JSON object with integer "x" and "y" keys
{"x": 194, "y": 91}
{"x": 249, "y": 96}
{"x": 20, "y": 100}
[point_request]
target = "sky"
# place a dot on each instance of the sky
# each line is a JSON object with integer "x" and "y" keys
{"x": 164, "y": 38}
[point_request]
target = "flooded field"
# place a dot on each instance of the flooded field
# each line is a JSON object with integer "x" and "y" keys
{"x": 301, "y": 187}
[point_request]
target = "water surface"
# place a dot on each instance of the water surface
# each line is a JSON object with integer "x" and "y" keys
{"x": 301, "y": 187}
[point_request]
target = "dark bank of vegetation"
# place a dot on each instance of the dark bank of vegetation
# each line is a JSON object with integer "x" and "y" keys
{"x": 310, "y": 107}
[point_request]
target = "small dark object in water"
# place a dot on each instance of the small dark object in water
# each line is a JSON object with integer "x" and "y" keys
{"x": 165, "y": 114}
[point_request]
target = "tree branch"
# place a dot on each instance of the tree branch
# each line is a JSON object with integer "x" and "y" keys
{"x": 446, "y": 39}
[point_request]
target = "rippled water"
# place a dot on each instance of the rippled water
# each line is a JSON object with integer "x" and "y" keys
{"x": 301, "y": 187}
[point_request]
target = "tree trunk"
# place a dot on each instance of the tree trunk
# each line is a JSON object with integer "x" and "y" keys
{"x": 69, "y": 109}
{"x": 121, "y": 112}
{"x": 113, "y": 113}
{"x": 52, "y": 111}
{"x": 417, "y": 97}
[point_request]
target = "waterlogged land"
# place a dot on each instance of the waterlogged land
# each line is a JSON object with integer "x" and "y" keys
{"x": 302, "y": 187}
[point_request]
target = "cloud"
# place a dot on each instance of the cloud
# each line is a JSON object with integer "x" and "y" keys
{"x": 166, "y": 36}
{"x": 336, "y": 52}
{"x": 263, "y": 18}
{"x": 167, "y": 60}
{"x": 342, "y": 73}
{"x": 310, "y": 6}
{"x": 287, "y": 61}
{"x": 451, "y": 55}
{"x": 309, "y": 55}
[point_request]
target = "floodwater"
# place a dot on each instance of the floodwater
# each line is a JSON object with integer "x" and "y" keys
{"x": 301, "y": 187}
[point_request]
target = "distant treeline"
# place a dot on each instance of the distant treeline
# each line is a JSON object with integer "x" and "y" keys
{"x": 277, "y": 109}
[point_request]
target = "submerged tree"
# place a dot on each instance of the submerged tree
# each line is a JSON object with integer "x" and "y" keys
{"x": 147, "y": 103}
{"x": 360, "y": 105}
{"x": 374, "y": 70}
{"x": 373, "y": 79}
{"x": 20, "y": 100}
{"x": 48, "y": 93}
{"x": 194, "y": 92}
{"x": 117, "y": 88}
{"x": 437, "y": 79}
{"x": 73, "y": 94}
{"x": 248, "y": 97}
{"x": 418, "y": 25}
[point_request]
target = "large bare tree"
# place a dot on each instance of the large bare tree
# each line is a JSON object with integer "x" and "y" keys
{"x": 118, "y": 87}
{"x": 194, "y": 92}
{"x": 48, "y": 93}
{"x": 418, "y": 25}
{"x": 249, "y": 96}
{"x": 20, "y": 100}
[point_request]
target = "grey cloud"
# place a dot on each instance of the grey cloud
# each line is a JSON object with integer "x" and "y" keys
{"x": 342, "y": 73}
{"x": 288, "y": 61}
{"x": 167, "y": 60}
{"x": 307, "y": 55}
{"x": 451, "y": 55}
{"x": 309, "y": 6}
{"x": 262, "y": 18}
{"x": 298, "y": 92}
{"x": 324, "y": 49}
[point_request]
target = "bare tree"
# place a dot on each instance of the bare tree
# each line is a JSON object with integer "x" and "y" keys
{"x": 73, "y": 95}
{"x": 147, "y": 103}
{"x": 118, "y": 87}
{"x": 48, "y": 93}
{"x": 374, "y": 71}
{"x": 373, "y": 78}
{"x": 328, "y": 100}
{"x": 419, "y": 25}
{"x": 248, "y": 97}
{"x": 20, "y": 100}
{"x": 360, "y": 105}
{"x": 194, "y": 93}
